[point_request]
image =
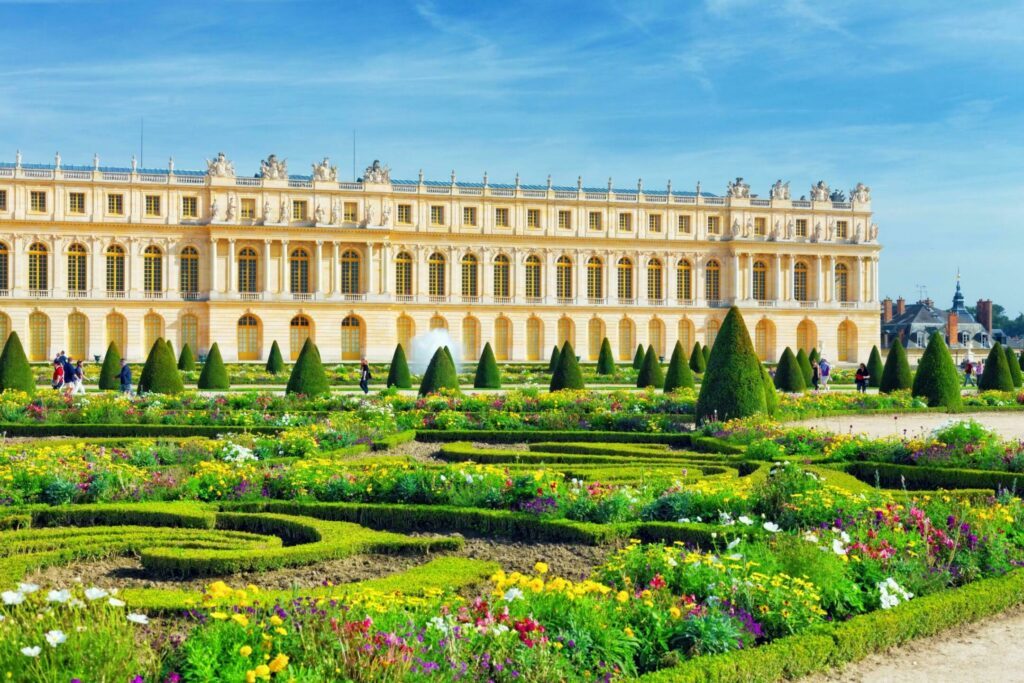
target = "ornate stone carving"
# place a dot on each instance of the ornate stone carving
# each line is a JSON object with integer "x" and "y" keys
{"x": 748, "y": 227}
{"x": 266, "y": 210}
{"x": 319, "y": 214}
{"x": 738, "y": 189}
{"x": 214, "y": 209}
{"x": 855, "y": 238}
{"x": 830, "y": 225}
{"x": 873, "y": 232}
{"x": 95, "y": 162}
{"x": 735, "y": 231}
{"x": 134, "y": 164}
{"x": 816, "y": 237}
{"x": 274, "y": 169}
{"x": 819, "y": 191}
{"x": 232, "y": 208}
{"x": 780, "y": 190}
{"x": 776, "y": 231}
{"x": 56, "y": 161}
{"x": 220, "y": 167}
{"x": 385, "y": 218}
{"x": 335, "y": 214}
{"x": 861, "y": 194}
{"x": 368, "y": 219}
{"x": 790, "y": 229}
{"x": 376, "y": 173}
{"x": 282, "y": 214}
{"x": 324, "y": 171}
{"x": 837, "y": 196}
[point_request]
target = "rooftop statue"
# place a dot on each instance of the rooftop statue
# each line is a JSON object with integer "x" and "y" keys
{"x": 780, "y": 190}
{"x": 220, "y": 167}
{"x": 820, "y": 191}
{"x": 324, "y": 170}
{"x": 738, "y": 189}
{"x": 861, "y": 194}
{"x": 376, "y": 173}
{"x": 272, "y": 169}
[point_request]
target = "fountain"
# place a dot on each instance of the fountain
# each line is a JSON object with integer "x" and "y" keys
{"x": 423, "y": 347}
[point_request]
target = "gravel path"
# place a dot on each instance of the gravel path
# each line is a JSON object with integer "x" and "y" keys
{"x": 1010, "y": 425}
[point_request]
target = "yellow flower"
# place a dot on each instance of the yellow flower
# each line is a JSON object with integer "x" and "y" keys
{"x": 280, "y": 631}
{"x": 263, "y": 671}
{"x": 540, "y": 568}
{"x": 278, "y": 663}
{"x": 245, "y": 650}
{"x": 276, "y": 620}
{"x": 240, "y": 619}
{"x": 675, "y": 612}
{"x": 250, "y": 676}
{"x": 219, "y": 616}
{"x": 622, "y": 596}
{"x": 629, "y": 632}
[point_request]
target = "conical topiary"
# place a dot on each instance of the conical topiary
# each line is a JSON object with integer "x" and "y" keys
{"x": 605, "y": 359}
{"x": 813, "y": 357}
{"x": 186, "y": 361}
{"x": 771, "y": 398}
{"x": 567, "y": 375}
{"x": 789, "y": 377}
{"x": 275, "y": 361}
{"x": 996, "y": 375}
{"x": 214, "y": 374}
{"x": 440, "y": 374}
{"x": 733, "y": 384}
{"x": 650, "y": 374}
{"x": 487, "y": 374}
{"x": 678, "y": 375}
{"x": 697, "y": 362}
{"x": 451, "y": 358}
{"x": 638, "y": 357}
{"x": 937, "y": 379}
{"x": 896, "y": 375}
{"x": 110, "y": 371}
{"x": 1011, "y": 361}
{"x": 170, "y": 347}
{"x": 706, "y": 352}
{"x": 553, "y": 361}
{"x": 875, "y": 368}
{"x": 398, "y": 371}
{"x": 15, "y": 372}
{"x": 160, "y": 373}
{"x": 308, "y": 375}
{"x": 805, "y": 366}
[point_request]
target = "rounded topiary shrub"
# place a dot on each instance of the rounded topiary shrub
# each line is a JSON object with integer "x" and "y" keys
{"x": 605, "y": 359}
{"x": 487, "y": 374}
{"x": 275, "y": 361}
{"x": 186, "y": 361}
{"x": 733, "y": 384}
{"x": 697, "y": 363}
{"x": 789, "y": 377}
{"x": 937, "y": 380}
{"x": 170, "y": 347}
{"x": 650, "y": 374}
{"x": 896, "y": 375}
{"x": 440, "y": 373}
{"x": 1011, "y": 362}
{"x": 160, "y": 373}
{"x": 214, "y": 374}
{"x": 996, "y": 375}
{"x": 771, "y": 398}
{"x": 813, "y": 357}
{"x": 875, "y": 368}
{"x": 15, "y": 372}
{"x": 638, "y": 357}
{"x": 678, "y": 375}
{"x": 398, "y": 371}
{"x": 706, "y": 352}
{"x": 110, "y": 371}
{"x": 805, "y": 366}
{"x": 308, "y": 376}
{"x": 567, "y": 375}
{"x": 553, "y": 361}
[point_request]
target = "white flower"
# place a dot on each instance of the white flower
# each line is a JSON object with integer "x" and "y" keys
{"x": 137, "y": 618}
{"x": 28, "y": 588}
{"x": 837, "y": 547}
{"x": 513, "y": 594}
{"x": 736, "y": 556}
{"x": 771, "y": 526}
{"x": 671, "y": 562}
{"x": 61, "y": 596}
{"x": 725, "y": 519}
{"x": 31, "y": 651}
{"x": 95, "y": 593}
{"x": 891, "y": 593}
{"x": 684, "y": 520}
{"x": 743, "y": 519}
{"x": 733, "y": 543}
{"x": 810, "y": 537}
{"x": 13, "y": 597}
{"x": 55, "y": 638}
{"x": 114, "y": 602}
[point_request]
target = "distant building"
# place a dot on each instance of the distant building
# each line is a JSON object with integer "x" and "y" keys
{"x": 912, "y": 325}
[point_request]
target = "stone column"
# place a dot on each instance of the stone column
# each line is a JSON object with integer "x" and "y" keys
{"x": 819, "y": 290}
{"x": 230, "y": 283}
{"x": 698, "y": 281}
{"x": 171, "y": 276}
{"x": 580, "y": 287}
{"x": 385, "y": 263}
{"x": 213, "y": 265}
{"x": 421, "y": 271}
{"x": 830, "y": 285}
{"x": 548, "y": 284}
{"x": 736, "y": 276}
{"x": 318, "y": 280}
{"x": 778, "y": 293}
{"x": 286, "y": 281}
{"x": 336, "y": 270}
{"x": 95, "y": 280}
{"x": 266, "y": 266}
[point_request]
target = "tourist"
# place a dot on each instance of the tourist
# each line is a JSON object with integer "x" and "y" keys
{"x": 969, "y": 373}
{"x": 364, "y": 376}
{"x": 125, "y": 377}
{"x": 69, "y": 374}
{"x": 79, "y": 387}
{"x": 61, "y": 357}
{"x": 815, "y": 377}
{"x": 57, "y": 381}
{"x": 862, "y": 378}
{"x": 826, "y": 371}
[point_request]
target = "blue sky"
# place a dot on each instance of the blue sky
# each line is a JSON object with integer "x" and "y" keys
{"x": 920, "y": 100}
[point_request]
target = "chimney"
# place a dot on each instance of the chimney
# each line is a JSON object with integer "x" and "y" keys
{"x": 887, "y": 309}
{"x": 952, "y": 328}
{"x": 901, "y": 306}
{"x": 985, "y": 314}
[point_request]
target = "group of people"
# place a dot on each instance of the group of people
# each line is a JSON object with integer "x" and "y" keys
{"x": 821, "y": 374}
{"x": 68, "y": 375}
{"x": 972, "y": 370}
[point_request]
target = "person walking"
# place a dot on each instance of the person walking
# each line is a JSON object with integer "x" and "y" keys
{"x": 57, "y": 380}
{"x": 69, "y": 375}
{"x": 126, "y": 377}
{"x": 79, "y": 379}
{"x": 826, "y": 372}
{"x": 969, "y": 373}
{"x": 862, "y": 378}
{"x": 364, "y": 376}
{"x": 815, "y": 376}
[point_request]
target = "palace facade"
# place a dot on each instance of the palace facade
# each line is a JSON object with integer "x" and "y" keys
{"x": 94, "y": 254}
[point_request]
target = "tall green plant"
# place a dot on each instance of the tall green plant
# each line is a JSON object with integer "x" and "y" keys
{"x": 697, "y": 363}
{"x": 1011, "y": 361}
{"x": 398, "y": 371}
{"x": 160, "y": 373}
{"x": 567, "y": 375}
{"x": 214, "y": 375}
{"x": 110, "y": 371}
{"x": 15, "y": 372}
{"x": 733, "y": 384}
{"x": 186, "y": 361}
{"x": 805, "y": 366}
{"x": 440, "y": 374}
{"x": 650, "y": 374}
{"x": 308, "y": 375}
{"x": 936, "y": 380}
{"x": 678, "y": 375}
{"x": 638, "y": 357}
{"x": 996, "y": 375}
{"x": 605, "y": 359}
{"x": 789, "y": 377}
{"x": 553, "y": 361}
{"x": 875, "y": 368}
{"x": 275, "y": 361}
{"x": 487, "y": 374}
{"x": 896, "y": 375}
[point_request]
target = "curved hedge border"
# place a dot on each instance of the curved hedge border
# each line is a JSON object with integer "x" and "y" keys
{"x": 121, "y": 430}
{"x": 918, "y": 477}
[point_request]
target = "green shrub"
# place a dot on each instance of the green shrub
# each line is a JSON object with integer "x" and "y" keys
{"x": 398, "y": 371}
{"x": 896, "y": 374}
{"x": 308, "y": 376}
{"x": 638, "y": 357}
{"x": 553, "y": 361}
{"x": 813, "y": 357}
{"x": 487, "y": 374}
{"x": 650, "y": 374}
{"x": 1011, "y": 362}
{"x": 678, "y": 375}
{"x": 186, "y": 361}
{"x": 214, "y": 374}
{"x": 771, "y": 398}
{"x": 170, "y": 347}
{"x": 1022, "y": 361}
{"x": 440, "y": 374}
{"x": 567, "y": 375}
{"x": 110, "y": 372}
{"x": 706, "y": 352}
{"x": 875, "y": 368}
{"x": 937, "y": 380}
{"x": 805, "y": 367}
{"x": 15, "y": 372}
{"x": 94, "y": 430}
{"x": 160, "y": 373}
{"x": 697, "y": 362}
{"x": 789, "y": 376}
{"x": 605, "y": 359}
{"x": 275, "y": 362}
{"x": 996, "y": 376}
{"x": 733, "y": 384}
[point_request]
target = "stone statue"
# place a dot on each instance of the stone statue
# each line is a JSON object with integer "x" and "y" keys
{"x": 134, "y": 163}
{"x": 56, "y": 161}
{"x": 274, "y": 169}
{"x": 837, "y": 196}
{"x": 385, "y": 218}
{"x": 335, "y": 214}
{"x": 266, "y": 210}
{"x": 232, "y": 206}
{"x": 214, "y": 208}
{"x": 375, "y": 173}
{"x": 736, "y": 228}
{"x": 324, "y": 171}
{"x": 368, "y": 220}
{"x": 95, "y": 162}
{"x": 819, "y": 191}
{"x": 790, "y": 229}
{"x": 775, "y": 231}
{"x": 282, "y": 216}
{"x": 220, "y": 167}
{"x": 816, "y": 237}
{"x": 780, "y": 190}
{"x": 170, "y": 164}
{"x": 829, "y": 229}
{"x": 873, "y": 232}
{"x": 319, "y": 213}
{"x": 861, "y": 194}
{"x": 855, "y": 238}
{"x": 748, "y": 228}
{"x": 738, "y": 189}
{"x": 17, "y": 159}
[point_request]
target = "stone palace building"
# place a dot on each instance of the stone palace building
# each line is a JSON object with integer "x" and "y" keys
{"x": 93, "y": 254}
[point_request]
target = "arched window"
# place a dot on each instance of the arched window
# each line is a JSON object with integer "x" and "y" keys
{"x": 655, "y": 292}
{"x": 759, "y": 284}
{"x": 800, "y": 281}
{"x": 406, "y": 329}
{"x": 188, "y": 272}
{"x": 299, "y": 263}
{"x": 117, "y": 333}
{"x": 563, "y": 277}
{"x": 533, "y": 290}
{"x": 153, "y": 270}
{"x": 438, "y": 323}
{"x": 625, "y": 270}
{"x": 350, "y": 272}
{"x": 190, "y": 332}
{"x": 711, "y": 331}
{"x": 152, "y": 329}
{"x": 77, "y": 269}
{"x": 436, "y": 275}
{"x": 351, "y": 338}
{"x": 846, "y": 342}
{"x": 115, "y": 269}
{"x": 595, "y": 278}
{"x": 686, "y": 335}
{"x": 713, "y": 281}
{"x": 806, "y": 336}
{"x": 566, "y": 332}
{"x": 627, "y": 339}
{"x": 764, "y": 340}
{"x": 403, "y": 274}
{"x": 5, "y": 328}
{"x": 502, "y": 338}
{"x": 470, "y": 279}
{"x": 78, "y": 336}
{"x": 300, "y": 329}
{"x": 5, "y": 267}
{"x": 595, "y": 337}
{"x": 248, "y": 337}
{"x": 534, "y": 339}
{"x": 39, "y": 337}
{"x": 247, "y": 270}
{"x": 470, "y": 338}
{"x": 502, "y": 277}
{"x": 842, "y": 282}
{"x": 656, "y": 336}
{"x": 684, "y": 280}
{"x": 38, "y": 267}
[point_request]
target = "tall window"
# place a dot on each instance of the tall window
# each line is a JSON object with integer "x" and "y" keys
{"x": 502, "y": 338}
{"x": 470, "y": 279}
{"x": 437, "y": 215}
{"x": 595, "y": 338}
{"x": 655, "y": 292}
{"x": 533, "y": 218}
{"x": 188, "y": 271}
{"x": 350, "y": 212}
{"x": 470, "y": 338}
{"x": 764, "y": 340}
{"x": 5, "y": 328}
{"x": 248, "y": 209}
{"x": 654, "y": 222}
{"x": 534, "y": 339}
{"x": 760, "y": 226}
{"x": 565, "y": 219}
{"x": 713, "y": 281}
{"x": 438, "y": 323}
{"x": 115, "y": 269}
{"x": 190, "y": 207}
{"x": 153, "y": 270}
{"x": 152, "y": 329}
{"x": 115, "y": 204}
{"x": 190, "y": 332}
{"x": 656, "y": 336}
{"x": 842, "y": 282}
{"x": 566, "y": 332}
{"x": 627, "y": 339}
{"x": 436, "y": 275}
{"x": 152, "y": 205}
{"x": 502, "y": 277}
{"x": 299, "y": 263}
{"x": 76, "y": 203}
{"x": 299, "y": 329}
{"x": 846, "y": 342}
{"x": 247, "y": 270}
{"x": 684, "y": 282}
{"x": 76, "y": 268}
{"x": 806, "y": 336}
{"x": 5, "y": 269}
{"x": 38, "y": 266}
{"x": 404, "y": 214}
{"x": 37, "y": 201}
{"x": 533, "y": 277}
{"x": 406, "y": 331}
{"x": 39, "y": 337}
{"x": 800, "y": 281}
{"x": 711, "y": 331}
{"x": 3, "y": 200}
{"x": 683, "y": 224}
{"x": 117, "y": 333}
{"x": 403, "y": 274}
{"x": 626, "y": 222}
{"x": 595, "y": 220}
{"x": 501, "y": 218}
{"x": 351, "y": 338}
{"x": 299, "y": 210}
{"x": 842, "y": 230}
{"x": 350, "y": 272}
{"x": 563, "y": 277}
{"x": 248, "y": 338}
{"x": 714, "y": 225}
{"x": 469, "y": 216}
{"x": 625, "y": 271}
{"x": 686, "y": 334}
{"x": 759, "y": 285}
{"x": 595, "y": 278}
{"x": 801, "y": 227}
{"x": 77, "y": 336}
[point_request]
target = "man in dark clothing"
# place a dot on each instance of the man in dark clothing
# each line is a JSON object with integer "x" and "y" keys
{"x": 126, "y": 377}
{"x": 364, "y": 376}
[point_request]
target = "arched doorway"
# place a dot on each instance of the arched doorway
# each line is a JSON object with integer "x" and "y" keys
{"x": 351, "y": 338}
{"x": 300, "y": 329}
{"x": 248, "y": 338}
{"x": 595, "y": 337}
